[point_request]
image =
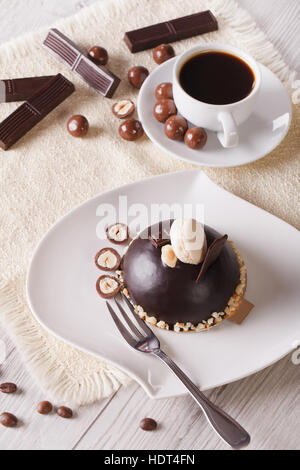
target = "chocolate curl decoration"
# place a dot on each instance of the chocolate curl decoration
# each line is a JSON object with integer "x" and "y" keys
{"x": 212, "y": 255}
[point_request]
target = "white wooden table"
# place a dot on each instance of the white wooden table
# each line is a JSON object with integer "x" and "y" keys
{"x": 267, "y": 403}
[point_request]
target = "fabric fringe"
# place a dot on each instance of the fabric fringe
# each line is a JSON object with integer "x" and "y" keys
{"x": 250, "y": 37}
{"x": 49, "y": 373}
{"x": 86, "y": 18}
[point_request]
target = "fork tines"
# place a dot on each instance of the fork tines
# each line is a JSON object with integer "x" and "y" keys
{"x": 132, "y": 334}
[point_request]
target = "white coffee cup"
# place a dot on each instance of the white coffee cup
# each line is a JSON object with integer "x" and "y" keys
{"x": 224, "y": 119}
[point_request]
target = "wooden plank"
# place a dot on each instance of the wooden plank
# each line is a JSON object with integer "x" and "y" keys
{"x": 7, "y": 346}
{"x": 114, "y": 423}
{"x": 38, "y": 432}
{"x": 272, "y": 394}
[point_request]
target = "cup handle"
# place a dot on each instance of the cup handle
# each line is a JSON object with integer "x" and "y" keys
{"x": 229, "y": 136}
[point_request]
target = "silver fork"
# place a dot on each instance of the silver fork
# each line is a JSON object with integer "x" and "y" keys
{"x": 144, "y": 340}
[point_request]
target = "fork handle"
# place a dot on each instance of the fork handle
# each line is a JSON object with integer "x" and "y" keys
{"x": 225, "y": 426}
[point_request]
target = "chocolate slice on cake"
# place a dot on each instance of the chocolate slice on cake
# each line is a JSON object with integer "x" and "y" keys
{"x": 189, "y": 279}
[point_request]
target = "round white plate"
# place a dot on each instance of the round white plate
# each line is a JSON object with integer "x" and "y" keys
{"x": 62, "y": 294}
{"x": 259, "y": 135}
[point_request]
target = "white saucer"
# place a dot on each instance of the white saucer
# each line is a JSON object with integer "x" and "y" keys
{"x": 62, "y": 293}
{"x": 259, "y": 135}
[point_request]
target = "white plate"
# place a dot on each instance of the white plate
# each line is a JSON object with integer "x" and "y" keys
{"x": 259, "y": 135}
{"x": 62, "y": 295}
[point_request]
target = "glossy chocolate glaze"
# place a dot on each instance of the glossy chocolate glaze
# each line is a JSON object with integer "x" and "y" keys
{"x": 171, "y": 294}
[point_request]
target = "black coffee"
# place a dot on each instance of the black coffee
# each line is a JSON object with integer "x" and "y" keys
{"x": 217, "y": 78}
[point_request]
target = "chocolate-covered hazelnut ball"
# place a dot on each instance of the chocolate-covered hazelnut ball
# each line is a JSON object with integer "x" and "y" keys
{"x": 78, "y": 126}
{"x": 137, "y": 75}
{"x": 163, "y": 109}
{"x": 162, "y": 53}
{"x": 175, "y": 127}
{"x": 195, "y": 138}
{"x": 164, "y": 91}
{"x": 131, "y": 130}
{"x": 98, "y": 55}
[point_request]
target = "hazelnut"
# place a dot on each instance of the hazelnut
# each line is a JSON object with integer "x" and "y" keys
{"x": 117, "y": 233}
{"x": 108, "y": 287}
{"x": 168, "y": 256}
{"x": 108, "y": 259}
{"x": 123, "y": 108}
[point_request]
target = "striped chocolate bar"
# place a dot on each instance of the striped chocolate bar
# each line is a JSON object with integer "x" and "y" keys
{"x": 45, "y": 100}
{"x": 99, "y": 78}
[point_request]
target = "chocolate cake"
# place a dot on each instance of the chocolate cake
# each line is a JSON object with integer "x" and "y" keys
{"x": 177, "y": 298}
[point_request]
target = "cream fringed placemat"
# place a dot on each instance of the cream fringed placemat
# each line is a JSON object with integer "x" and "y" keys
{"x": 48, "y": 172}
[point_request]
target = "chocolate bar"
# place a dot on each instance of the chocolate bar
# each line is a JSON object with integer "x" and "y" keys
{"x": 21, "y": 89}
{"x": 159, "y": 242}
{"x": 242, "y": 312}
{"x": 98, "y": 77}
{"x": 171, "y": 31}
{"x": 45, "y": 100}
